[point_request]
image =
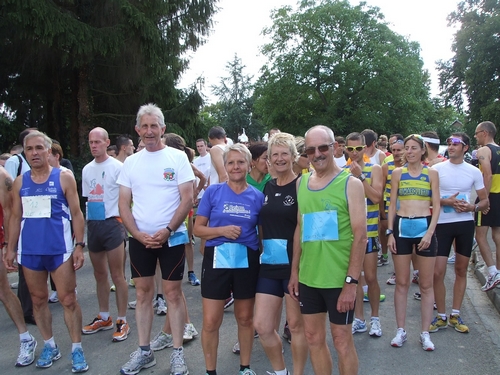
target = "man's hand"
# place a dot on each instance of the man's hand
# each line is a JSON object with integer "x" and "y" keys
{"x": 355, "y": 169}
{"x": 158, "y": 239}
{"x": 347, "y": 298}
{"x": 78, "y": 258}
{"x": 8, "y": 259}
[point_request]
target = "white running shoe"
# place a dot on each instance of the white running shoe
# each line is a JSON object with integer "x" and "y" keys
{"x": 177, "y": 363}
{"x": 427, "y": 344}
{"x": 375, "y": 327}
{"x": 189, "y": 332}
{"x": 53, "y": 297}
{"x": 491, "y": 282}
{"x": 391, "y": 280}
{"x": 161, "y": 341}
{"x": 400, "y": 338}
{"x": 161, "y": 308}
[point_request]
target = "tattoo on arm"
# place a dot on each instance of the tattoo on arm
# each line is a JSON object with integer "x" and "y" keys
{"x": 481, "y": 158}
{"x": 8, "y": 183}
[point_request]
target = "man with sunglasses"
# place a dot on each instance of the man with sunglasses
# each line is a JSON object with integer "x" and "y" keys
{"x": 329, "y": 245}
{"x": 455, "y": 224}
{"x": 489, "y": 164}
{"x": 371, "y": 177}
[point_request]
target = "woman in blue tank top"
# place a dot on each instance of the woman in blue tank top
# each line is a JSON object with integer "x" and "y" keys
{"x": 412, "y": 226}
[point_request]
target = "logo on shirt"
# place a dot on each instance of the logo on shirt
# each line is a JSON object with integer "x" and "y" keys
{"x": 289, "y": 201}
{"x": 265, "y": 199}
{"x": 51, "y": 183}
{"x": 169, "y": 174}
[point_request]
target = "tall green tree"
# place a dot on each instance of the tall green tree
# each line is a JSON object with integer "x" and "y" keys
{"x": 474, "y": 70}
{"x": 340, "y": 65}
{"x": 70, "y": 65}
{"x": 234, "y": 109}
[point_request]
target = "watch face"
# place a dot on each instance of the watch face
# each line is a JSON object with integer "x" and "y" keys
{"x": 348, "y": 279}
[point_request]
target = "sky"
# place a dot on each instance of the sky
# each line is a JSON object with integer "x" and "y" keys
{"x": 239, "y": 23}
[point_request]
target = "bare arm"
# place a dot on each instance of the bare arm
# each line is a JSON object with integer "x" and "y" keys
{"x": 293, "y": 283}
{"x": 201, "y": 183}
{"x": 395, "y": 177}
{"x": 68, "y": 185}
{"x": 218, "y": 163}
{"x": 357, "y": 214}
{"x": 14, "y": 224}
{"x": 374, "y": 190}
{"x": 202, "y": 230}
{"x": 5, "y": 200}
{"x": 484, "y": 156}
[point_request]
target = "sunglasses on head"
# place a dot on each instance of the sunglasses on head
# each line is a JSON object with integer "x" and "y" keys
{"x": 321, "y": 148}
{"x": 398, "y": 141}
{"x": 355, "y": 148}
{"x": 418, "y": 136}
{"x": 455, "y": 141}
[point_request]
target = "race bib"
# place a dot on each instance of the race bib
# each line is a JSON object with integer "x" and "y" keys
{"x": 178, "y": 238}
{"x": 275, "y": 252}
{"x": 230, "y": 256}
{"x": 95, "y": 211}
{"x": 460, "y": 197}
{"x": 38, "y": 206}
{"x": 412, "y": 228}
{"x": 320, "y": 226}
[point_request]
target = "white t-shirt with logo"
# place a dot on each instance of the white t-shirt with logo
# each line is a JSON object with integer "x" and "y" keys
{"x": 457, "y": 178}
{"x": 154, "y": 178}
{"x": 204, "y": 164}
{"x": 99, "y": 185}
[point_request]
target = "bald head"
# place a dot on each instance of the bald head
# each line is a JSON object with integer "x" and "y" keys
{"x": 99, "y": 142}
{"x": 99, "y": 132}
{"x": 321, "y": 128}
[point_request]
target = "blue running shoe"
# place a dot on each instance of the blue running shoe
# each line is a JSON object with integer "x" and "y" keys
{"x": 78, "y": 363}
{"x": 193, "y": 279}
{"x": 48, "y": 356}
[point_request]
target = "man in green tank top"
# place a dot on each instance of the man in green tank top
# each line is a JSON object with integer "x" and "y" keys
{"x": 329, "y": 246}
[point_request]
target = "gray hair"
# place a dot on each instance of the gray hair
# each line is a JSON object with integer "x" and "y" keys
{"x": 33, "y": 134}
{"x": 326, "y": 129}
{"x": 150, "y": 109}
{"x": 283, "y": 140}
{"x": 238, "y": 147}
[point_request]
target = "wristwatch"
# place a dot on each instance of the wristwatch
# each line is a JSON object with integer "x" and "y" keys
{"x": 350, "y": 280}
{"x": 476, "y": 208}
{"x": 362, "y": 177}
{"x": 388, "y": 232}
{"x": 170, "y": 230}
{"x": 82, "y": 244}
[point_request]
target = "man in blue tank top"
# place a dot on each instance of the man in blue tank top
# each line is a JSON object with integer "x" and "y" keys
{"x": 44, "y": 200}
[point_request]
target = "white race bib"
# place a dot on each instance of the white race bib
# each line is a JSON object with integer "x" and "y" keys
{"x": 38, "y": 206}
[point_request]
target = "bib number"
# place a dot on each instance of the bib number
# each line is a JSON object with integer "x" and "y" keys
{"x": 35, "y": 207}
{"x": 275, "y": 252}
{"x": 320, "y": 226}
{"x": 412, "y": 228}
{"x": 230, "y": 256}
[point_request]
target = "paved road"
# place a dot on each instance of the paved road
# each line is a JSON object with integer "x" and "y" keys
{"x": 474, "y": 353}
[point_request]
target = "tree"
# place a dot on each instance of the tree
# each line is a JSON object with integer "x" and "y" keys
{"x": 234, "y": 109}
{"x": 340, "y": 65}
{"x": 70, "y": 65}
{"x": 474, "y": 70}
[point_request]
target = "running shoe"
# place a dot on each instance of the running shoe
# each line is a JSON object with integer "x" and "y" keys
{"x": 177, "y": 363}
{"x": 26, "y": 352}
{"x": 399, "y": 339}
{"x": 122, "y": 331}
{"x": 451, "y": 260}
{"x": 456, "y": 322}
{"x": 113, "y": 288}
{"x": 236, "y": 348}
{"x": 98, "y": 324}
{"x": 438, "y": 323}
{"x": 78, "y": 363}
{"x": 53, "y": 297}
{"x": 247, "y": 371}
{"x": 366, "y": 299}
{"x": 161, "y": 308}
{"x": 133, "y": 304}
{"x": 358, "y": 326}
{"x": 14, "y": 285}
{"x": 391, "y": 280}
{"x": 131, "y": 283}
{"x": 382, "y": 261}
{"x": 375, "y": 328}
{"x": 189, "y": 332}
{"x": 193, "y": 279}
{"x": 273, "y": 373}
{"x": 492, "y": 282}
{"x": 415, "y": 278}
{"x": 138, "y": 361}
{"x": 161, "y": 341}
{"x": 417, "y": 296}
{"x": 48, "y": 356}
{"x": 229, "y": 301}
{"x": 287, "y": 335}
{"x": 426, "y": 342}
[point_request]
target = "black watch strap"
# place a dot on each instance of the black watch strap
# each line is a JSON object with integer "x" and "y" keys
{"x": 82, "y": 244}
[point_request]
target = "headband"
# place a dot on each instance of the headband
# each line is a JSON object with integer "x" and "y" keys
{"x": 431, "y": 140}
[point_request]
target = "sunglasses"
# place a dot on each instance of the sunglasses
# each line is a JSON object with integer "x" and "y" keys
{"x": 454, "y": 141}
{"x": 355, "y": 148}
{"x": 303, "y": 155}
{"x": 418, "y": 136}
{"x": 321, "y": 148}
{"x": 398, "y": 141}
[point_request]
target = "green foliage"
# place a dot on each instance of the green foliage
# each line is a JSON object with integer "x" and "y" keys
{"x": 340, "y": 65}
{"x": 474, "y": 70}
{"x": 234, "y": 109}
{"x": 70, "y": 65}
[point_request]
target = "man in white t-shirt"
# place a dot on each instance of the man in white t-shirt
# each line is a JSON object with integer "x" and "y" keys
{"x": 217, "y": 138}
{"x": 160, "y": 179}
{"x": 339, "y": 153}
{"x": 455, "y": 224}
{"x": 203, "y": 162}
{"x": 105, "y": 234}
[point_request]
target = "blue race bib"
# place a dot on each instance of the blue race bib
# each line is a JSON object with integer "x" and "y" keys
{"x": 320, "y": 226}
{"x": 274, "y": 252}
{"x": 230, "y": 256}
{"x": 412, "y": 228}
{"x": 460, "y": 197}
{"x": 95, "y": 211}
{"x": 178, "y": 238}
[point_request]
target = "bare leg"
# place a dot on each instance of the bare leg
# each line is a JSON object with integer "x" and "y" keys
{"x": 402, "y": 269}
{"x": 144, "y": 287}
{"x": 176, "y": 309}
{"x": 243, "y": 312}
{"x": 213, "y": 312}
{"x": 315, "y": 332}
{"x": 484, "y": 247}
{"x": 426, "y": 278}
{"x": 344, "y": 344}
{"x": 114, "y": 260}
{"x": 10, "y": 301}
{"x": 299, "y": 343}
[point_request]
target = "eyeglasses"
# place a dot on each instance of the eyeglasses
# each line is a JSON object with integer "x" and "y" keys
{"x": 321, "y": 148}
{"x": 355, "y": 148}
{"x": 479, "y": 131}
{"x": 454, "y": 141}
